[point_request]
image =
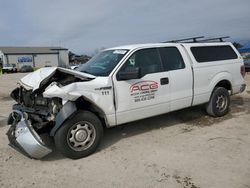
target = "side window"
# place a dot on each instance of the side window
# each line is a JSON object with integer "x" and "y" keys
{"x": 171, "y": 58}
{"x": 147, "y": 60}
{"x": 213, "y": 53}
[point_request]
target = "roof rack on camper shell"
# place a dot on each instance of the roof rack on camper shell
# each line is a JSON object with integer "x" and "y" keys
{"x": 185, "y": 39}
{"x": 214, "y": 39}
{"x": 196, "y": 39}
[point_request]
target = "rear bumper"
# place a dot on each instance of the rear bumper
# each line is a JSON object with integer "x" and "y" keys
{"x": 242, "y": 88}
{"x": 238, "y": 89}
{"x": 24, "y": 139}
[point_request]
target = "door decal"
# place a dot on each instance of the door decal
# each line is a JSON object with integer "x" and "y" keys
{"x": 143, "y": 91}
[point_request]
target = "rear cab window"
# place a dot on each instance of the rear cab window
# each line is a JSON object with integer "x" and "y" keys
{"x": 171, "y": 58}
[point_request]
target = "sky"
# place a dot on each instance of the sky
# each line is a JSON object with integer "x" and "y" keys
{"x": 86, "y": 26}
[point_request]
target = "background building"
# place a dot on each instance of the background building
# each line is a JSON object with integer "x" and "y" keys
{"x": 34, "y": 56}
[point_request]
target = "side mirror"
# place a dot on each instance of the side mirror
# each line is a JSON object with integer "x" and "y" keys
{"x": 129, "y": 73}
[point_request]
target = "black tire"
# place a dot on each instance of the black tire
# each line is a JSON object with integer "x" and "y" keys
{"x": 80, "y": 135}
{"x": 219, "y": 102}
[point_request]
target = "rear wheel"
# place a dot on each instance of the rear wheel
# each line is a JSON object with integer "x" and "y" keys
{"x": 80, "y": 135}
{"x": 219, "y": 102}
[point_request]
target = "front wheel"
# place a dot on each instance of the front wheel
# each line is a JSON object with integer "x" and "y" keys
{"x": 80, "y": 135}
{"x": 219, "y": 102}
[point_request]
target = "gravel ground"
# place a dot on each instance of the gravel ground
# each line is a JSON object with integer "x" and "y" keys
{"x": 183, "y": 149}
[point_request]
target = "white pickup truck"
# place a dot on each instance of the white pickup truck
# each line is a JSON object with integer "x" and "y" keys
{"x": 7, "y": 68}
{"x": 117, "y": 86}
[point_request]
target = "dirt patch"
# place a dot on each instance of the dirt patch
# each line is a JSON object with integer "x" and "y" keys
{"x": 239, "y": 104}
{"x": 185, "y": 182}
{"x": 187, "y": 129}
{"x": 162, "y": 175}
{"x": 197, "y": 116}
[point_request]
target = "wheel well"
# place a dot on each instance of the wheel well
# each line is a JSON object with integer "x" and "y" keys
{"x": 83, "y": 104}
{"x": 224, "y": 83}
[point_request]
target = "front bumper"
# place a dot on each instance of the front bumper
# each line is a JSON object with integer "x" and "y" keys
{"x": 24, "y": 138}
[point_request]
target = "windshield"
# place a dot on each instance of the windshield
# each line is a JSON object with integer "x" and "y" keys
{"x": 103, "y": 63}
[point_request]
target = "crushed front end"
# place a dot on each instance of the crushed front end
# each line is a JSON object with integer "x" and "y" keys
{"x": 35, "y": 115}
{"x": 32, "y": 115}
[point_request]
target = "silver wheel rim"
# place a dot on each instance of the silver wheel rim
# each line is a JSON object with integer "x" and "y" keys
{"x": 221, "y": 103}
{"x": 81, "y": 136}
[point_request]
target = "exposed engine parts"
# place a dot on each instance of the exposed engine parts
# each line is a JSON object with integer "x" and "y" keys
{"x": 40, "y": 110}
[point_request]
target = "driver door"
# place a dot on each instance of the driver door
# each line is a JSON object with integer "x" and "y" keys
{"x": 145, "y": 96}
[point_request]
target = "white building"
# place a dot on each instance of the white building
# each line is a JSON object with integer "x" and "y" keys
{"x": 35, "y": 56}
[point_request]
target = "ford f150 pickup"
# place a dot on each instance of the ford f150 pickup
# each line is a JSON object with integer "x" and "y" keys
{"x": 120, "y": 85}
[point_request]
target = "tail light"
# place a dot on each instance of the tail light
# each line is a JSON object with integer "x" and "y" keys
{"x": 242, "y": 71}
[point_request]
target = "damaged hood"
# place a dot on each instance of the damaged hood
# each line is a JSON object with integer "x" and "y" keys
{"x": 33, "y": 80}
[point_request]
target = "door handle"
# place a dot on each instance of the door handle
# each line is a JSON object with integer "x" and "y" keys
{"x": 164, "y": 81}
